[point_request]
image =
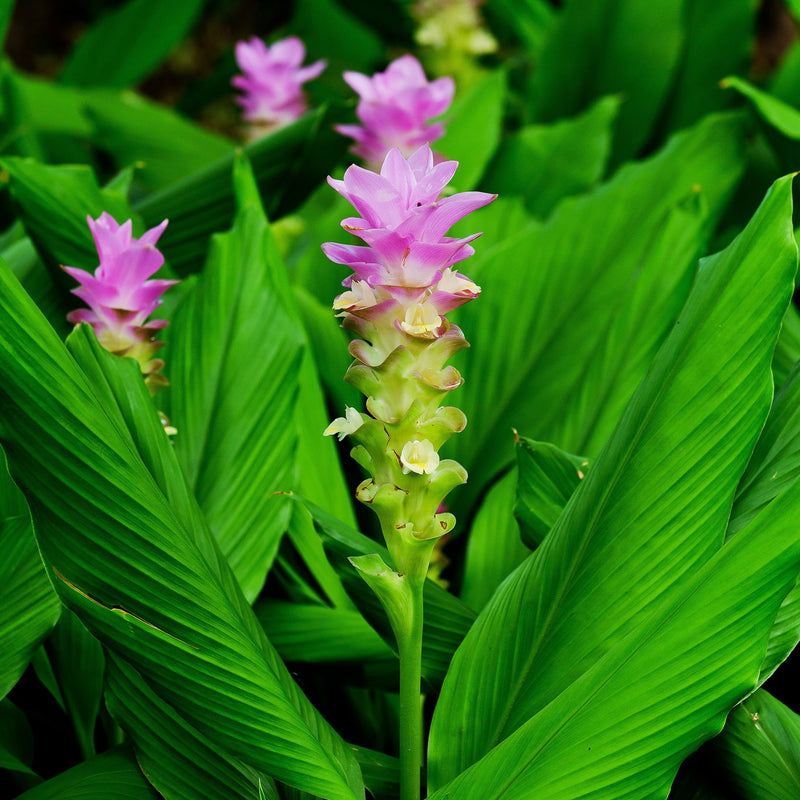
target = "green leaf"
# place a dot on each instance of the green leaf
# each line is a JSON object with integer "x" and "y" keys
{"x": 623, "y": 728}
{"x": 604, "y": 47}
{"x": 771, "y": 472}
{"x": 381, "y": 773}
{"x": 704, "y": 63}
{"x": 17, "y": 135}
{"x": 787, "y": 353}
{"x": 133, "y": 558}
{"x": 760, "y": 749}
{"x": 288, "y": 164}
{"x": 16, "y": 739}
{"x": 651, "y": 512}
{"x": 494, "y": 546}
{"x": 470, "y": 144}
{"x": 233, "y": 361}
{"x": 165, "y": 145}
{"x": 545, "y": 163}
{"x": 573, "y": 310}
{"x": 29, "y": 607}
{"x": 547, "y": 478}
{"x": 177, "y": 759}
{"x": 78, "y": 664}
{"x": 54, "y": 202}
{"x": 129, "y": 42}
{"x": 332, "y": 33}
{"x": 783, "y": 117}
{"x": 306, "y": 632}
{"x": 446, "y": 618}
{"x": 115, "y": 774}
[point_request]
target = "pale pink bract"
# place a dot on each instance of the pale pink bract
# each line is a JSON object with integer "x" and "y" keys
{"x": 406, "y": 258}
{"x": 272, "y": 83}
{"x": 395, "y": 108}
{"x": 119, "y": 295}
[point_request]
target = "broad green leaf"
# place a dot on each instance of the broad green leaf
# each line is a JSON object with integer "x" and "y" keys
{"x": 547, "y": 478}
{"x": 288, "y": 164}
{"x": 494, "y": 546}
{"x": 233, "y": 360}
{"x": 572, "y": 311}
{"x": 37, "y": 281}
{"x": 167, "y": 146}
{"x": 54, "y": 202}
{"x": 28, "y": 605}
{"x": 17, "y": 133}
{"x": 175, "y": 757}
{"x": 624, "y": 726}
{"x": 602, "y": 47}
{"x": 129, "y": 42}
{"x": 783, "y": 117}
{"x": 115, "y": 774}
{"x": 306, "y": 632}
{"x": 381, "y": 773}
{"x": 652, "y": 510}
{"x": 319, "y": 475}
{"x": 545, "y": 163}
{"x": 329, "y": 31}
{"x": 704, "y": 62}
{"x": 139, "y": 567}
{"x": 16, "y": 739}
{"x": 78, "y": 664}
{"x": 772, "y": 471}
{"x": 470, "y": 144}
{"x": 446, "y": 618}
{"x": 787, "y": 353}
{"x": 309, "y": 547}
{"x": 531, "y": 21}
{"x": 760, "y": 749}
{"x": 329, "y": 345}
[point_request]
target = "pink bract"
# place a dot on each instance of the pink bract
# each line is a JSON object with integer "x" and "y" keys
{"x": 272, "y": 83}
{"x": 406, "y": 255}
{"x": 119, "y": 296}
{"x": 395, "y": 108}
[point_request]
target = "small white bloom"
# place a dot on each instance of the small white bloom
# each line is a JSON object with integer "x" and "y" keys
{"x": 344, "y": 426}
{"x": 361, "y": 295}
{"x": 452, "y": 283}
{"x": 421, "y": 320}
{"x": 419, "y": 457}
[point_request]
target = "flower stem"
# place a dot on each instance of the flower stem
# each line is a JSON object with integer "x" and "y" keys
{"x": 409, "y": 644}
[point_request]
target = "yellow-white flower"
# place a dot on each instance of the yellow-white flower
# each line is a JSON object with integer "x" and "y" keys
{"x": 421, "y": 320}
{"x": 419, "y": 457}
{"x": 344, "y": 426}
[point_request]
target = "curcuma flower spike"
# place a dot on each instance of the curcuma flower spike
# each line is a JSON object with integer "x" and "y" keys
{"x": 272, "y": 83}
{"x": 120, "y": 296}
{"x": 395, "y": 108}
{"x": 404, "y": 283}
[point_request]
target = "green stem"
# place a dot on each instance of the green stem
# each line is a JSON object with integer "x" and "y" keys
{"x": 409, "y": 646}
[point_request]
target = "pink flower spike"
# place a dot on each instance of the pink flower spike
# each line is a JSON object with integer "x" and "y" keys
{"x": 407, "y": 255}
{"x": 395, "y": 109}
{"x": 272, "y": 83}
{"x": 120, "y": 295}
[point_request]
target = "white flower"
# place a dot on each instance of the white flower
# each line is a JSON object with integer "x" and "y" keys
{"x": 453, "y": 283}
{"x": 419, "y": 457}
{"x": 344, "y": 426}
{"x": 361, "y": 295}
{"x": 421, "y": 320}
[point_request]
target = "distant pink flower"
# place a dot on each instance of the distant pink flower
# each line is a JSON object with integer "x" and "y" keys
{"x": 407, "y": 263}
{"x": 395, "y": 108}
{"x": 119, "y": 295}
{"x": 273, "y": 81}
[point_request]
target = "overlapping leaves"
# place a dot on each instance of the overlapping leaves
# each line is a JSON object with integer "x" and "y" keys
{"x": 651, "y": 512}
